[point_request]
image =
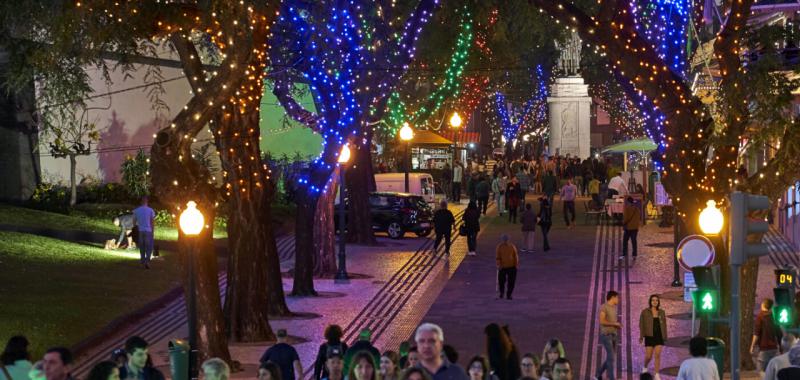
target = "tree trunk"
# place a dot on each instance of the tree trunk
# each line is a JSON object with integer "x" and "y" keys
{"x": 360, "y": 182}
{"x": 303, "y": 284}
{"x": 73, "y": 187}
{"x": 253, "y": 263}
{"x": 324, "y": 231}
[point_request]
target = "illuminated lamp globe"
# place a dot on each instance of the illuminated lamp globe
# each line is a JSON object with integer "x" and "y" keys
{"x": 455, "y": 120}
{"x": 711, "y": 219}
{"x": 191, "y": 219}
{"x": 344, "y": 155}
{"x": 406, "y": 133}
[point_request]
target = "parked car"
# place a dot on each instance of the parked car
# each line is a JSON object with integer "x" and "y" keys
{"x": 398, "y": 213}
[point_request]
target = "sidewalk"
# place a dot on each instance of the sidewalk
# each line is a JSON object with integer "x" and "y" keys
{"x": 394, "y": 275}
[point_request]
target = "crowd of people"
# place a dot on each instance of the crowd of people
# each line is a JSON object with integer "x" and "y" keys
{"x": 428, "y": 357}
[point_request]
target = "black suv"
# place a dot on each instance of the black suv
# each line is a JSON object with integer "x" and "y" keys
{"x": 398, "y": 213}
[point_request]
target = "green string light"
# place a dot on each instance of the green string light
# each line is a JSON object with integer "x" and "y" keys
{"x": 450, "y": 87}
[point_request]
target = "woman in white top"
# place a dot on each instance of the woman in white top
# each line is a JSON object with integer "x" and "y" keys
{"x": 15, "y": 359}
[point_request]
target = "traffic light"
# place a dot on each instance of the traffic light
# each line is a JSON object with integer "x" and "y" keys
{"x": 783, "y": 310}
{"x": 706, "y": 297}
{"x": 741, "y": 226}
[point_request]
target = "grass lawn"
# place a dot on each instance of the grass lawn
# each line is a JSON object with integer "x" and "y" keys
{"x": 21, "y": 216}
{"x": 58, "y": 293}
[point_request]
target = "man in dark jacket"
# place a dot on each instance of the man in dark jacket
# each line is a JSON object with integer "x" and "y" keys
{"x": 528, "y": 220}
{"x": 549, "y": 186}
{"x": 482, "y": 192}
{"x": 443, "y": 221}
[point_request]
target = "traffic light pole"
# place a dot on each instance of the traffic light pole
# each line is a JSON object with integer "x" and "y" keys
{"x": 734, "y": 320}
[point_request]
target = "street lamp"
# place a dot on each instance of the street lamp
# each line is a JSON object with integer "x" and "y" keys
{"x": 406, "y": 134}
{"x": 192, "y": 222}
{"x": 344, "y": 158}
{"x": 455, "y": 122}
{"x": 711, "y": 219}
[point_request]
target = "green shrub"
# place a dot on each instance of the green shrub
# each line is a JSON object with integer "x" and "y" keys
{"x": 50, "y": 197}
{"x": 136, "y": 175}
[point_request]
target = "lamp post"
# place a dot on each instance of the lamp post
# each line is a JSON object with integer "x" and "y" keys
{"x": 711, "y": 219}
{"x": 406, "y": 134}
{"x": 191, "y": 222}
{"x": 455, "y": 122}
{"x": 344, "y": 158}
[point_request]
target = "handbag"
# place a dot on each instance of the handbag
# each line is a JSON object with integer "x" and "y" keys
{"x": 462, "y": 230}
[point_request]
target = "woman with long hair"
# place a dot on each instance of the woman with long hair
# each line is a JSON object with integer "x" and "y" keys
{"x": 503, "y": 354}
{"x": 363, "y": 367}
{"x": 106, "y": 370}
{"x": 389, "y": 366}
{"x": 653, "y": 333}
{"x": 15, "y": 359}
{"x": 269, "y": 371}
{"x": 333, "y": 337}
{"x": 553, "y": 350}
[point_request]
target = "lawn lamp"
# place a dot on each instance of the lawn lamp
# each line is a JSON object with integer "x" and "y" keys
{"x": 406, "y": 134}
{"x": 344, "y": 158}
{"x": 192, "y": 222}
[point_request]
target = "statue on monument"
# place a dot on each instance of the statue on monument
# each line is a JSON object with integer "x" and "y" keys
{"x": 570, "y": 59}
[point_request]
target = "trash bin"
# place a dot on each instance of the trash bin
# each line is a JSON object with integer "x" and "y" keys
{"x": 716, "y": 352}
{"x": 179, "y": 359}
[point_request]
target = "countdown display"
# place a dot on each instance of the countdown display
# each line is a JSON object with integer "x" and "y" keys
{"x": 784, "y": 278}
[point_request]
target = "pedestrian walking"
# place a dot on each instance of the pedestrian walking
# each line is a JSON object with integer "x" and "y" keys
{"x": 447, "y": 180}
{"x": 501, "y": 352}
{"x": 568, "y": 194}
{"x": 549, "y": 186}
{"x": 781, "y": 361}
{"x": 472, "y": 225}
{"x": 499, "y": 191}
{"x": 479, "y": 369}
{"x": 507, "y": 261}
{"x": 430, "y": 339}
{"x": 553, "y": 350}
{"x": 137, "y": 368}
{"x": 524, "y": 183}
{"x": 766, "y": 336}
{"x": 653, "y": 333}
{"x": 482, "y": 192}
{"x": 512, "y": 199}
{"x": 458, "y": 173}
{"x": 594, "y": 192}
{"x": 58, "y": 363}
{"x": 562, "y": 369}
{"x": 609, "y": 334}
{"x": 545, "y": 221}
{"x": 145, "y": 222}
{"x": 698, "y": 366}
{"x": 528, "y": 221}
{"x": 443, "y": 221}
{"x": 363, "y": 367}
{"x": 285, "y": 357}
{"x": 631, "y": 220}
{"x": 15, "y": 361}
{"x": 333, "y": 338}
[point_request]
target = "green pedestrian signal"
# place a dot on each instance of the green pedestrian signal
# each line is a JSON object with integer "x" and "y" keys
{"x": 706, "y": 297}
{"x": 783, "y": 311}
{"x": 708, "y": 302}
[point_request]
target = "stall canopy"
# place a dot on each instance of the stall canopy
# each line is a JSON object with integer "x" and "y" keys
{"x": 423, "y": 137}
{"x": 637, "y": 145}
{"x": 462, "y": 137}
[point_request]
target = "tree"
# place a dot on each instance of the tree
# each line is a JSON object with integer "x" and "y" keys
{"x": 71, "y": 135}
{"x": 350, "y": 66}
{"x": 49, "y": 40}
{"x": 699, "y": 148}
{"x": 136, "y": 175}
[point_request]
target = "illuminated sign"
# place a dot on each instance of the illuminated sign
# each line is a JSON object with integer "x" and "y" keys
{"x": 784, "y": 278}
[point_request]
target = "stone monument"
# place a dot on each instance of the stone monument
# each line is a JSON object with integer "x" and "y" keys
{"x": 569, "y": 104}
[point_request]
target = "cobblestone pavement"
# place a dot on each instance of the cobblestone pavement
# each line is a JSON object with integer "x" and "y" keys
{"x": 558, "y": 294}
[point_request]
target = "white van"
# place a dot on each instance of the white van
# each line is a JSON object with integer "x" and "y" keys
{"x": 418, "y": 184}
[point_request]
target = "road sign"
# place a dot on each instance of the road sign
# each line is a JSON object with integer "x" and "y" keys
{"x": 695, "y": 251}
{"x": 688, "y": 286}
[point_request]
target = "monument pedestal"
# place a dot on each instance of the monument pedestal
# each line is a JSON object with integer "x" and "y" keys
{"x": 569, "y": 106}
